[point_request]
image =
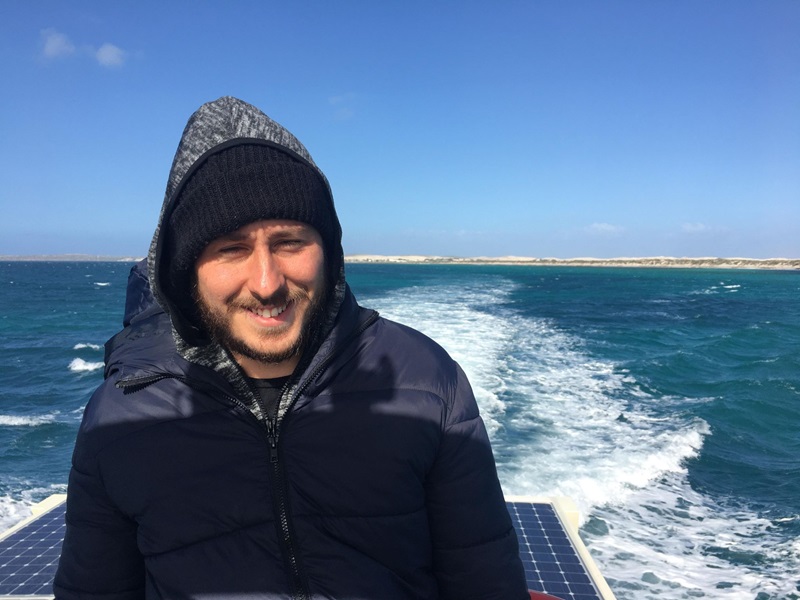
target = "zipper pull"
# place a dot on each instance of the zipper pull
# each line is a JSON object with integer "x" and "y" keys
{"x": 272, "y": 439}
{"x": 128, "y": 386}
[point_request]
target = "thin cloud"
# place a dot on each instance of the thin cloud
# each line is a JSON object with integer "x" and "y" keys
{"x": 343, "y": 106}
{"x": 694, "y": 228}
{"x": 604, "y": 229}
{"x": 109, "y": 55}
{"x": 55, "y": 44}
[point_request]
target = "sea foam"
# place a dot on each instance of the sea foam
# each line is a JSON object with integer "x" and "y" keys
{"x": 26, "y": 421}
{"x": 87, "y": 345}
{"x": 78, "y": 365}
{"x": 14, "y": 508}
{"x": 668, "y": 540}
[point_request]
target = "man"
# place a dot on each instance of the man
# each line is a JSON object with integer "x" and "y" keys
{"x": 264, "y": 436}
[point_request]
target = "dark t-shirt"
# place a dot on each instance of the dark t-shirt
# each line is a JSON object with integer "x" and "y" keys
{"x": 270, "y": 392}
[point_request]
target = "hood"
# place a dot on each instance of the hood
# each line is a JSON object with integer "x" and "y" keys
{"x": 213, "y": 127}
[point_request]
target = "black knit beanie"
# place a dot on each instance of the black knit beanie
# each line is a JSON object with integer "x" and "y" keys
{"x": 239, "y": 185}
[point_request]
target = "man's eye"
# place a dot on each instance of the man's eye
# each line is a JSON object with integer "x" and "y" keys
{"x": 230, "y": 249}
{"x": 290, "y": 244}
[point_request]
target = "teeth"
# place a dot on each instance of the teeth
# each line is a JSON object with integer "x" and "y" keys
{"x": 270, "y": 312}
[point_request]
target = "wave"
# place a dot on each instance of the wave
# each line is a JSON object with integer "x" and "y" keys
{"x": 717, "y": 289}
{"x": 78, "y": 365}
{"x": 87, "y": 345}
{"x": 590, "y": 419}
{"x": 668, "y": 540}
{"x": 102, "y": 283}
{"x": 26, "y": 421}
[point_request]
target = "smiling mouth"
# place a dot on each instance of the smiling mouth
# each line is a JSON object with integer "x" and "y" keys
{"x": 270, "y": 312}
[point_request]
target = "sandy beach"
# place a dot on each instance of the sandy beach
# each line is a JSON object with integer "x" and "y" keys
{"x": 654, "y": 261}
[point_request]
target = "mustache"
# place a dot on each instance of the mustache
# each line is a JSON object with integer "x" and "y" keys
{"x": 281, "y": 297}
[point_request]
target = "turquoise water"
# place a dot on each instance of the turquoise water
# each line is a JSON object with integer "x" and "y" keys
{"x": 664, "y": 402}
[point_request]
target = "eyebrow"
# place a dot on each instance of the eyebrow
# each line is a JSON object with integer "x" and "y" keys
{"x": 233, "y": 236}
{"x": 237, "y": 235}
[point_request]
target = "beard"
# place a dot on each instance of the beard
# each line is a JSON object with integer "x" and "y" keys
{"x": 218, "y": 324}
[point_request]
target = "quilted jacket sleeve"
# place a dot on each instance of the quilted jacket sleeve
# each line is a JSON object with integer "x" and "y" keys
{"x": 100, "y": 558}
{"x": 476, "y": 554}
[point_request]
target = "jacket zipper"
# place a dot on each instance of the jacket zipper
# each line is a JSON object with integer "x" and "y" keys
{"x": 129, "y": 386}
{"x": 297, "y": 582}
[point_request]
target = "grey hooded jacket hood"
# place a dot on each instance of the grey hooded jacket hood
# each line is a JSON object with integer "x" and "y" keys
{"x": 213, "y": 127}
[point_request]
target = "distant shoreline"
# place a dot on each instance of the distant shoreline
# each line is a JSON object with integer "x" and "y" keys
{"x": 66, "y": 258}
{"x": 652, "y": 262}
{"x": 784, "y": 264}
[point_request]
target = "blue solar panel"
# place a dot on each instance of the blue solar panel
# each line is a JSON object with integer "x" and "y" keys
{"x": 552, "y": 563}
{"x": 29, "y": 554}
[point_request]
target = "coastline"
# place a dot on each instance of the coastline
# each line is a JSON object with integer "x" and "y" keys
{"x": 785, "y": 264}
{"x": 781, "y": 264}
{"x": 67, "y": 258}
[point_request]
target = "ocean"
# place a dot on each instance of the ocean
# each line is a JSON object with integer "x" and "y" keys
{"x": 664, "y": 402}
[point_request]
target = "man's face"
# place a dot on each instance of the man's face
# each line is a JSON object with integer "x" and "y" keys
{"x": 260, "y": 289}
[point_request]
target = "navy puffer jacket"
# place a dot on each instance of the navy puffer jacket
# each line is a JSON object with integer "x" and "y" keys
{"x": 391, "y": 489}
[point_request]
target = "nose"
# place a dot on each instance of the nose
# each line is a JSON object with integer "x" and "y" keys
{"x": 265, "y": 275}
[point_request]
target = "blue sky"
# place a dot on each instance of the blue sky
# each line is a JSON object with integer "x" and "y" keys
{"x": 535, "y": 128}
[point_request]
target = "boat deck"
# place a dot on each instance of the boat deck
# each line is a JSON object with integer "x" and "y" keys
{"x": 555, "y": 559}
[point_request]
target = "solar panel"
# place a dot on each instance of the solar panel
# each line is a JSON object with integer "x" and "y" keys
{"x": 555, "y": 560}
{"x": 29, "y": 552}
